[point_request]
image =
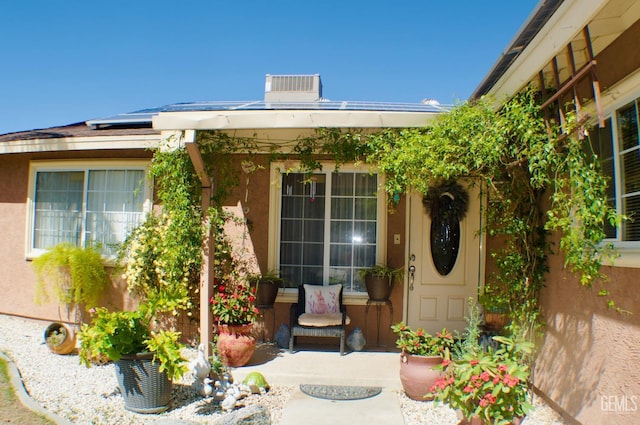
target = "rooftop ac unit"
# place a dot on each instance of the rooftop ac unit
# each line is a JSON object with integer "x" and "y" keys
{"x": 292, "y": 88}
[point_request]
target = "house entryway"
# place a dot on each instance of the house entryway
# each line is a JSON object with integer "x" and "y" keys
{"x": 433, "y": 300}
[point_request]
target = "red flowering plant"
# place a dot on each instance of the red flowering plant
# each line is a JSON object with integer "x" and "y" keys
{"x": 234, "y": 303}
{"x": 491, "y": 385}
{"x": 421, "y": 343}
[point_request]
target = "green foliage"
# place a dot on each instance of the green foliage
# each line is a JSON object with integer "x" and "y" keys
{"x": 76, "y": 275}
{"x": 420, "y": 342}
{"x": 162, "y": 256}
{"x": 234, "y": 304}
{"x": 121, "y": 333}
{"x": 521, "y": 163}
{"x": 469, "y": 341}
{"x": 492, "y": 385}
{"x": 380, "y": 270}
{"x": 166, "y": 349}
{"x": 156, "y": 269}
{"x": 220, "y": 151}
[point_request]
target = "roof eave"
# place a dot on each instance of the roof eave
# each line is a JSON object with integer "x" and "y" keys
{"x": 229, "y": 120}
{"x": 518, "y": 47}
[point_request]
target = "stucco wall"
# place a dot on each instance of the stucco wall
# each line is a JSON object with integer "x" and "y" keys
{"x": 17, "y": 279}
{"x": 589, "y": 362}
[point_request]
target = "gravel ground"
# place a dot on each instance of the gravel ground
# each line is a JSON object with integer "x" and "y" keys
{"x": 90, "y": 395}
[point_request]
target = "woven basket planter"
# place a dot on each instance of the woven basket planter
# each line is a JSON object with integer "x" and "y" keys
{"x": 144, "y": 389}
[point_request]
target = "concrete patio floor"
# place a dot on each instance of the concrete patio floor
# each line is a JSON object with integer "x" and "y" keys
{"x": 311, "y": 365}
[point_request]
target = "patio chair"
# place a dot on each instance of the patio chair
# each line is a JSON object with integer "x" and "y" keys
{"x": 319, "y": 312}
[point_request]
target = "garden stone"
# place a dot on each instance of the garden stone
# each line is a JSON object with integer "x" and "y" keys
{"x": 356, "y": 340}
{"x": 250, "y": 415}
{"x": 282, "y": 336}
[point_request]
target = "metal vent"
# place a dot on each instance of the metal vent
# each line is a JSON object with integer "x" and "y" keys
{"x": 292, "y": 88}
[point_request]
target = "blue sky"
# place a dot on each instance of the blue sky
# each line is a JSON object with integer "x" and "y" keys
{"x": 65, "y": 61}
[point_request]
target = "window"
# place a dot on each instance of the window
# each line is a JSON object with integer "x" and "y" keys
{"x": 629, "y": 159}
{"x": 89, "y": 203}
{"x": 328, "y": 227}
{"x": 618, "y": 148}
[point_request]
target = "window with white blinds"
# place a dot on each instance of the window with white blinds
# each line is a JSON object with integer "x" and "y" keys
{"x": 88, "y": 204}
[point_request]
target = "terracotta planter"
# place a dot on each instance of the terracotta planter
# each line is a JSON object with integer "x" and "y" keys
{"x": 144, "y": 388}
{"x": 496, "y": 321}
{"x": 267, "y": 292}
{"x": 476, "y": 420}
{"x": 378, "y": 287}
{"x": 60, "y": 338}
{"x": 417, "y": 374}
{"x": 235, "y": 344}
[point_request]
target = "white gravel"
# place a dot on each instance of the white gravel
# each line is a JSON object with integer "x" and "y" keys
{"x": 90, "y": 395}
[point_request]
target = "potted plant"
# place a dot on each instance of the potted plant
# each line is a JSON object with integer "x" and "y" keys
{"x": 379, "y": 280}
{"x": 77, "y": 278}
{"x": 488, "y": 387}
{"x": 234, "y": 311}
{"x": 267, "y": 287}
{"x": 421, "y": 353}
{"x": 495, "y": 304}
{"x": 147, "y": 360}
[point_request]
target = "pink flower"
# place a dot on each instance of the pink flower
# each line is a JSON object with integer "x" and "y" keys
{"x": 510, "y": 381}
{"x": 485, "y": 376}
{"x": 473, "y": 362}
{"x": 468, "y": 389}
{"x": 490, "y": 398}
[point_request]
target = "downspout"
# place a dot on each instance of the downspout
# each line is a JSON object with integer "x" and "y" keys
{"x": 208, "y": 245}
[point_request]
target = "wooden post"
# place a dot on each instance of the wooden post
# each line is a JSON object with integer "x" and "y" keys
{"x": 206, "y": 275}
{"x": 208, "y": 244}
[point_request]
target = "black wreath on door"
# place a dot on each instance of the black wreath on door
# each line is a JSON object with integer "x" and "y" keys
{"x": 446, "y": 204}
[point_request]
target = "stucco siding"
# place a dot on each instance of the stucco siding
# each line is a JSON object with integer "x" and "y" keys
{"x": 588, "y": 362}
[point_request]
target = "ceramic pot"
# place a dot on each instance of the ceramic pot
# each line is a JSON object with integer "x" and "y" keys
{"x": 476, "y": 420}
{"x": 378, "y": 287}
{"x": 60, "y": 338}
{"x": 267, "y": 292}
{"x": 235, "y": 344}
{"x": 496, "y": 321}
{"x": 417, "y": 374}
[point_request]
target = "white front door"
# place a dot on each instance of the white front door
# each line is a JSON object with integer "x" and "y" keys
{"x": 434, "y": 301}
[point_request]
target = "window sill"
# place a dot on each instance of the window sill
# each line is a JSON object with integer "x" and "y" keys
{"x": 348, "y": 299}
{"x": 629, "y": 257}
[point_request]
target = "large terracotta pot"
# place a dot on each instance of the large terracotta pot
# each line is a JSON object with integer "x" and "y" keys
{"x": 417, "y": 374}
{"x": 476, "y": 420}
{"x": 235, "y": 344}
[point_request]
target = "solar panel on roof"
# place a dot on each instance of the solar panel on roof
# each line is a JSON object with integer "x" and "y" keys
{"x": 146, "y": 115}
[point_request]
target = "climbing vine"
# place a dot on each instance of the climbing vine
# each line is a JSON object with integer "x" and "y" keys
{"x": 538, "y": 179}
{"x": 522, "y": 162}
